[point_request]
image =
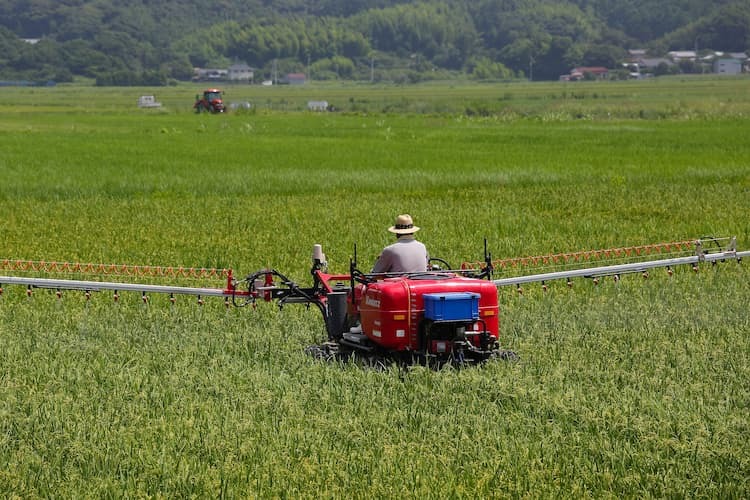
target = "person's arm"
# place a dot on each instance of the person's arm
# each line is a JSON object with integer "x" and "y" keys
{"x": 383, "y": 264}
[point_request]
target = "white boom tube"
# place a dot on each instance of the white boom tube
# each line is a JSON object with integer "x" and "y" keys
{"x": 97, "y": 286}
{"x": 590, "y": 272}
{"x": 634, "y": 267}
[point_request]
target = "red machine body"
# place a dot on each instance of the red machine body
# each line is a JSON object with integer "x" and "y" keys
{"x": 424, "y": 317}
{"x": 399, "y": 314}
{"x": 211, "y": 101}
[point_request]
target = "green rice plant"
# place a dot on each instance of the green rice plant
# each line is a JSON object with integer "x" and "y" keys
{"x": 628, "y": 389}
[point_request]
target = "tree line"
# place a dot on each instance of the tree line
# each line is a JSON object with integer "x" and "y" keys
{"x": 138, "y": 42}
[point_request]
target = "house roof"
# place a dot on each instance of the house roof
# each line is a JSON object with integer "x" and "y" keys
{"x": 203, "y": 71}
{"x": 590, "y": 69}
{"x": 652, "y": 62}
{"x": 682, "y": 54}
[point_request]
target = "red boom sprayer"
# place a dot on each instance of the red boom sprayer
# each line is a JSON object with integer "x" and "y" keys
{"x": 440, "y": 316}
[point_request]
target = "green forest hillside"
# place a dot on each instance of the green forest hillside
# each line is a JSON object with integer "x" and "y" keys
{"x": 152, "y": 42}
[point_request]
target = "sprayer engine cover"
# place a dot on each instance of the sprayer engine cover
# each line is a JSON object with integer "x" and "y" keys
{"x": 393, "y": 310}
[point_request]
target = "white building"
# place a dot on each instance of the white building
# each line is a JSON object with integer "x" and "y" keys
{"x": 728, "y": 66}
{"x": 241, "y": 73}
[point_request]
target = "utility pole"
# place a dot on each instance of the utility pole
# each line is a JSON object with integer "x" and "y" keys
{"x": 697, "y": 59}
{"x": 372, "y": 69}
{"x": 531, "y": 68}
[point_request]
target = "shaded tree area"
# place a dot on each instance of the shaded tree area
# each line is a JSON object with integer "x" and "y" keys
{"x": 727, "y": 29}
{"x": 131, "y": 42}
{"x": 544, "y": 39}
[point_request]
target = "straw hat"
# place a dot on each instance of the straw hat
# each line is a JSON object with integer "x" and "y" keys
{"x": 403, "y": 225}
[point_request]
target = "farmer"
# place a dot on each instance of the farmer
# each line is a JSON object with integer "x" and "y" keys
{"x": 406, "y": 255}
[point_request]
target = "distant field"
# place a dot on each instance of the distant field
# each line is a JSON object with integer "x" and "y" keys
{"x": 666, "y": 97}
{"x": 629, "y": 389}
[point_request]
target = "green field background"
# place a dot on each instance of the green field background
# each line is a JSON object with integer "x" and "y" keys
{"x": 629, "y": 389}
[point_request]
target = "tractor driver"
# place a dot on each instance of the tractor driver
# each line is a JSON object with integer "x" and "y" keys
{"x": 406, "y": 255}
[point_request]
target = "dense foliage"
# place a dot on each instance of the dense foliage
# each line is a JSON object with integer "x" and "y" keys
{"x": 136, "y": 42}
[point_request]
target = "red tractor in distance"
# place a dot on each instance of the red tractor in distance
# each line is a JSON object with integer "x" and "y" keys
{"x": 210, "y": 102}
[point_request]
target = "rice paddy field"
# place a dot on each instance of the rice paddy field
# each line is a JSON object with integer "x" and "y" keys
{"x": 637, "y": 388}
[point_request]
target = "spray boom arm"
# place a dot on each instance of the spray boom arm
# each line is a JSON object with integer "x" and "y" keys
{"x": 271, "y": 285}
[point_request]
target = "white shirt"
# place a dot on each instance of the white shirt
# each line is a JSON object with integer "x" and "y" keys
{"x": 406, "y": 255}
